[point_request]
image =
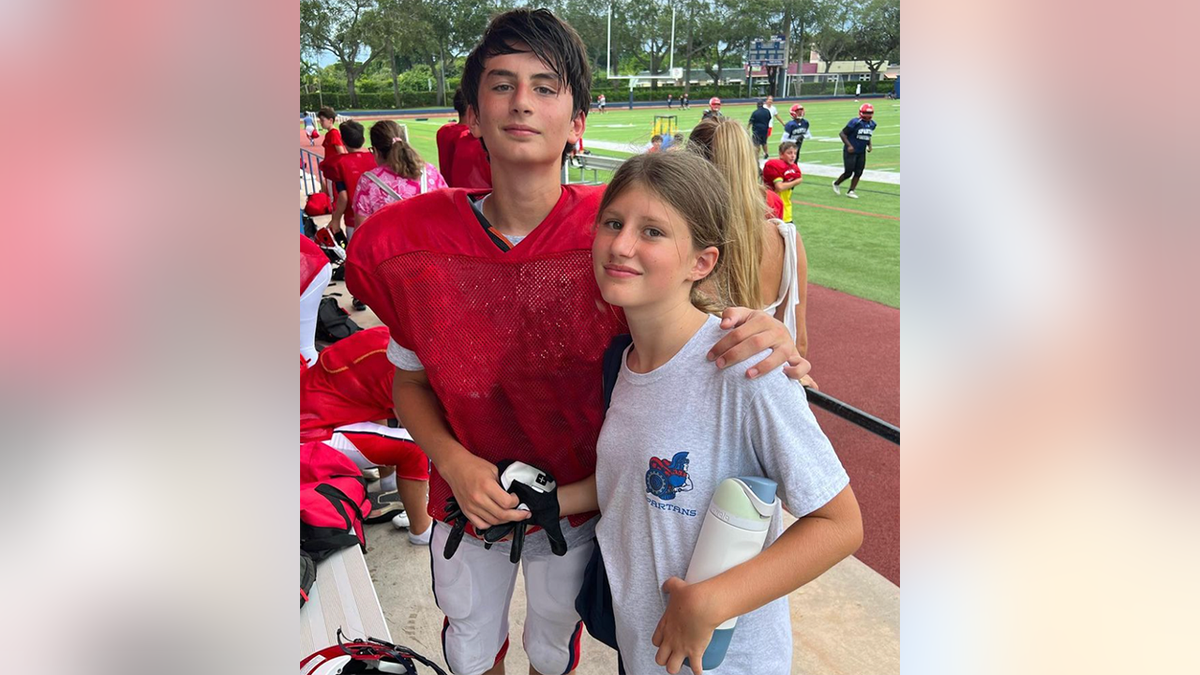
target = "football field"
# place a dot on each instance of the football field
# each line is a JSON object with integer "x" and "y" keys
{"x": 853, "y": 245}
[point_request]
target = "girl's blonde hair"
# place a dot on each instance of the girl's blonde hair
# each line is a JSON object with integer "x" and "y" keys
{"x": 695, "y": 190}
{"x": 390, "y": 142}
{"x": 726, "y": 144}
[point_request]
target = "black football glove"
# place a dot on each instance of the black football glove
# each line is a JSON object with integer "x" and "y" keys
{"x": 538, "y": 493}
{"x": 458, "y": 520}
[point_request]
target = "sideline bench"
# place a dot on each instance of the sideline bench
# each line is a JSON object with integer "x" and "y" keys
{"x": 342, "y": 596}
{"x": 595, "y": 164}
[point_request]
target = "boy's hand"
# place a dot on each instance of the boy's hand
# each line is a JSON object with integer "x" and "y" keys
{"x": 475, "y": 483}
{"x": 800, "y": 372}
{"x": 685, "y": 629}
{"x": 755, "y": 331}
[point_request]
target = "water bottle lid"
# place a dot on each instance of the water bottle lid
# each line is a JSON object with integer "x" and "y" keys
{"x": 763, "y": 488}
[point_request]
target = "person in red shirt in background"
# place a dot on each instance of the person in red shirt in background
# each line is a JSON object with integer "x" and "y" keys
{"x": 346, "y": 401}
{"x": 781, "y": 175}
{"x": 469, "y": 166}
{"x": 333, "y": 146}
{"x": 449, "y": 133}
{"x": 345, "y": 171}
{"x": 315, "y": 272}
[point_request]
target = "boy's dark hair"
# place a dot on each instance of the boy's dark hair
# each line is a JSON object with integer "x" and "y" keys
{"x": 656, "y": 137}
{"x": 549, "y": 38}
{"x": 460, "y": 105}
{"x": 327, "y": 113}
{"x": 352, "y": 134}
{"x": 783, "y": 147}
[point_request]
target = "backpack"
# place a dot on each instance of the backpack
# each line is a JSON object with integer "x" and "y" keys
{"x": 594, "y": 602}
{"x": 318, "y": 204}
{"x": 308, "y": 575}
{"x": 333, "y": 501}
{"x": 333, "y": 322}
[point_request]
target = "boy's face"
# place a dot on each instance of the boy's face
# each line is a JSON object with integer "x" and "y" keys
{"x": 525, "y": 114}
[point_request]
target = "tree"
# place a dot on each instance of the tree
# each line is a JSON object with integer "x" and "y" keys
{"x": 336, "y": 26}
{"x": 876, "y": 33}
{"x": 454, "y": 26}
{"x": 393, "y": 25}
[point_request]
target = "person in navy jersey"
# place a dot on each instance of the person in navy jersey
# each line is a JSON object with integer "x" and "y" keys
{"x": 796, "y": 130}
{"x": 856, "y": 137}
{"x": 760, "y": 122}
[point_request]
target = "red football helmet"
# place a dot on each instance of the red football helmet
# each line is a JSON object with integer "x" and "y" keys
{"x": 797, "y": 109}
{"x": 367, "y": 655}
{"x": 714, "y": 102}
{"x": 866, "y": 109}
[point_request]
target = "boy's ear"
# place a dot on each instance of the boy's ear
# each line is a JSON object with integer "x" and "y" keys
{"x": 705, "y": 262}
{"x": 577, "y": 126}
{"x": 472, "y": 121}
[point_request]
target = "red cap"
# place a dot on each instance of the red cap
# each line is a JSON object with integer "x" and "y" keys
{"x": 714, "y": 101}
{"x": 866, "y": 109}
{"x": 796, "y": 108}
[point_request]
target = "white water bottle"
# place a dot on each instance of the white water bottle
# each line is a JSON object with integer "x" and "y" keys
{"x": 734, "y": 531}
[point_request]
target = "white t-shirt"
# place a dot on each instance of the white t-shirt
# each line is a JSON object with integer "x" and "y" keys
{"x": 705, "y": 424}
{"x": 774, "y": 113}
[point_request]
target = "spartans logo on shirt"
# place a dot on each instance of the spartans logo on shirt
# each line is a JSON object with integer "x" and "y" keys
{"x": 665, "y": 479}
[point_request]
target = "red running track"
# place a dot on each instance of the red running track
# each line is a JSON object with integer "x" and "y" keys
{"x": 854, "y": 346}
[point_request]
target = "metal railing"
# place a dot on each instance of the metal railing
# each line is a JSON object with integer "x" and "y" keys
{"x": 310, "y": 163}
{"x": 853, "y": 415}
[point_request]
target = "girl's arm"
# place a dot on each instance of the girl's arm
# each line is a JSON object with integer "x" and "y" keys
{"x": 806, "y": 550}
{"x": 579, "y": 497}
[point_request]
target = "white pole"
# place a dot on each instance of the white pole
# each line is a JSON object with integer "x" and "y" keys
{"x": 608, "y": 68}
{"x": 673, "y": 38}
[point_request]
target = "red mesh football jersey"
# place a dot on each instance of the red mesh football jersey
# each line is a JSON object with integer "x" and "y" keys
{"x": 511, "y": 341}
{"x": 351, "y": 382}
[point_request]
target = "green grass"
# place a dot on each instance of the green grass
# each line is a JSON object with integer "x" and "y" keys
{"x": 853, "y": 245}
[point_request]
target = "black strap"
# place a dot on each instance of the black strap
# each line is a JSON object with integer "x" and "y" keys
{"x": 497, "y": 238}
{"x": 612, "y": 364}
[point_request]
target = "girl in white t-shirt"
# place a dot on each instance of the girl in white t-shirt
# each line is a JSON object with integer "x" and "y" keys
{"x": 676, "y": 428}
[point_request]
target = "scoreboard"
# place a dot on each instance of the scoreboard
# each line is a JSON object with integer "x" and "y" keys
{"x": 766, "y": 52}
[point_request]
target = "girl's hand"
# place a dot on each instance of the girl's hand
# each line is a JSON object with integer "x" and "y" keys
{"x": 686, "y": 628}
{"x": 807, "y": 381}
{"x": 755, "y": 331}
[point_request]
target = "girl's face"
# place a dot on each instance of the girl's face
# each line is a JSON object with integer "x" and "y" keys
{"x": 643, "y": 254}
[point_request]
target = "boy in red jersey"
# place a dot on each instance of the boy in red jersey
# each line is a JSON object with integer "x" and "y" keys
{"x": 461, "y": 157}
{"x": 346, "y": 171}
{"x": 781, "y": 175}
{"x": 449, "y": 133}
{"x": 498, "y": 331}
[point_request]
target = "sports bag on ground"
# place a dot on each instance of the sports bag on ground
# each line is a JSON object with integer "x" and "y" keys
{"x": 333, "y": 501}
{"x": 333, "y": 322}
